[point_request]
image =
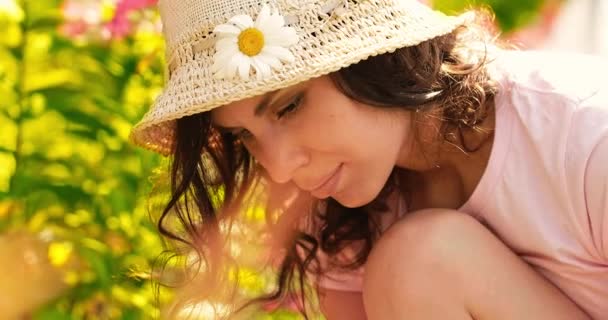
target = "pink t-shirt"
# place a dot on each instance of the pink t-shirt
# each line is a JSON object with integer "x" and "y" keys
{"x": 545, "y": 190}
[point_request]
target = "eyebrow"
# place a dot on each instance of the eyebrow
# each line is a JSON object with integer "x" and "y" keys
{"x": 258, "y": 111}
{"x": 261, "y": 107}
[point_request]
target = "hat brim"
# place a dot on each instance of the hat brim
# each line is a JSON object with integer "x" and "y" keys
{"x": 192, "y": 89}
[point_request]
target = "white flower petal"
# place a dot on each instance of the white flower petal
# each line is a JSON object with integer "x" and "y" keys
{"x": 219, "y": 70}
{"x": 217, "y": 65}
{"x": 219, "y": 74}
{"x": 268, "y": 59}
{"x": 276, "y": 21}
{"x": 279, "y": 52}
{"x": 228, "y": 43}
{"x": 242, "y": 21}
{"x": 284, "y": 37}
{"x": 274, "y": 11}
{"x": 267, "y": 23}
{"x": 223, "y": 57}
{"x": 244, "y": 67}
{"x": 262, "y": 16}
{"x": 226, "y": 29}
{"x": 232, "y": 65}
{"x": 290, "y": 36}
{"x": 262, "y": 69}
{"x": 229, "y": 61}
{"x": 221, "y": 66}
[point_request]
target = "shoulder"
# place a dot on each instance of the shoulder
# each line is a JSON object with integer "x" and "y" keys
{"x": 572, "y": 76}
{"x": 555, "y": 95}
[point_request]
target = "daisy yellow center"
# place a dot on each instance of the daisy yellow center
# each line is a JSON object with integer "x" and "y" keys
{"x": 251, "y": 41}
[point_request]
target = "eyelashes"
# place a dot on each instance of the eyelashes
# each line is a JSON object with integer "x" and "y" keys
{"x": 284, "y": 113}
{"x": 291, "y": 107}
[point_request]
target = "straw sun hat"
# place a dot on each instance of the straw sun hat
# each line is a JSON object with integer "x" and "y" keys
{"x": 220, "y": 51}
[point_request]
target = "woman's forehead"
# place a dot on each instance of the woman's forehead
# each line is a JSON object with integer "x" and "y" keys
{"x": 253, "y": 105}
{"x": 222, "y": 115}
{"x": 244, "y": 109}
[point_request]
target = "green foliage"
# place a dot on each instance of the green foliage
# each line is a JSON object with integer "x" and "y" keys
{"x": 510, "y": 14}
{"x": 69, "y": 174}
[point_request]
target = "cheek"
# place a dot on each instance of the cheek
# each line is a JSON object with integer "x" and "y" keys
{"x": 378, "y": 140}
{"x": 369, "y": 160}
{"x": 258, "y": 153}
{"x": 352, "y": 132}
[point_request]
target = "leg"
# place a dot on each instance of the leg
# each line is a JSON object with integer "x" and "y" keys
{"x": 442, "y": 264}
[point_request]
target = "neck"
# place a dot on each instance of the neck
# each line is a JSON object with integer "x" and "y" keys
{"x": 446, "y": 175}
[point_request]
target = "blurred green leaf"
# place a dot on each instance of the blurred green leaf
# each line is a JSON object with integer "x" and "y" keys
{"x": 510, "y": 14}
{"x": 86, "y": 133}
{"x": 53, "y": 78}
{"x": 47, "y": 22}
{"x": 69, "y": 194}
{"x": 100, "y": 267}
{"x": 50, "y": 313}
{"x": 6, "y": 150}
{"x": 87, "y": 120}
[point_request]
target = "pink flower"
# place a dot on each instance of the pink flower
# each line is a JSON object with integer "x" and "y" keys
{"x": 121, "y": 25}
{"x": 80, "y": 17}
{"x": 73, "y": 29}
{"x": 87, "y": 11}
{"x": 125, "y": 6}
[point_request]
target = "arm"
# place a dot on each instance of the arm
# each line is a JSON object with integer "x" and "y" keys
{"x": 341, "y": 305}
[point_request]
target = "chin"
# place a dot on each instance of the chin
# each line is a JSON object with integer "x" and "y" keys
{"x": 351, "y": 205}
{"x": 355, "y": 201}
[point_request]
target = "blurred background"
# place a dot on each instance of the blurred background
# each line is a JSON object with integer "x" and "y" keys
{"x": 76, "y": 239}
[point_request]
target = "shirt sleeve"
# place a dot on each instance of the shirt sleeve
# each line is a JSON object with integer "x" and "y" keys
{"x": 596, "y": 196}
{"x": 343, "y": 281}
{"x": 349, "y": 280}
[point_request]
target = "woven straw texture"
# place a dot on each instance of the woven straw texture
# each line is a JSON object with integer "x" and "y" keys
{"x": 327, "y": 42}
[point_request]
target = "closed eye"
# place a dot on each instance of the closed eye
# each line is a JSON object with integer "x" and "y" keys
{"x": 291, "y": 107}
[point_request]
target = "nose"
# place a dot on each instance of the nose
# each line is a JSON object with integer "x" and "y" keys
{"x": 281, "y": 156}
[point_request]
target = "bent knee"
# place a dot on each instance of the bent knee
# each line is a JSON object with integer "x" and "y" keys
{"x": 424, "y": 244}
{"x": 426, "y": 233}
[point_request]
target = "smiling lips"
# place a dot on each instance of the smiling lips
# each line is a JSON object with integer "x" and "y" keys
{"x": 328, "y": 186}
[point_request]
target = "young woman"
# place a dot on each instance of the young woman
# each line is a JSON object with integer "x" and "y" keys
{"x": 418, "y": 171}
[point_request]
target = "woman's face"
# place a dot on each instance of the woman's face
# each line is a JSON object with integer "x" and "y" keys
{"x": 315, "y": 137}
